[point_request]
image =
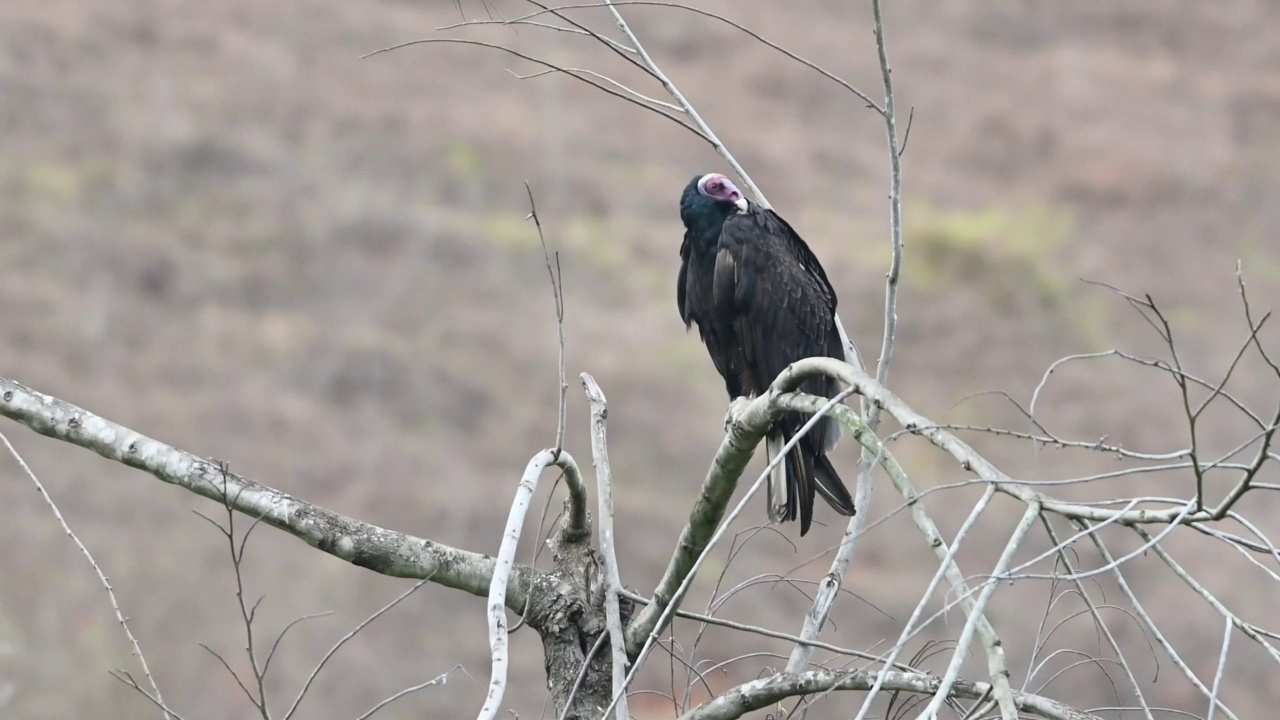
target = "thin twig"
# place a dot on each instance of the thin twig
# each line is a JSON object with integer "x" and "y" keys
{"x": 246, "y": 614}
{"x": 440, "y": 679}
{"x": 234, "y": 675}
{"x": 925, "y": 597}
{"x": 766, "y": 632}
{"x": 102, "y": 578}
{"x": 703, "y": 129}
{"x": 557, "y": 293}
{"x": 1150, "y": 624}
{"x": 617, "y": 48}
{"x": 1008, "y": 710}
{"x": 1098, "y": 621}
{"x": 1222, "y": 666}
{"x": 548, "y": 65}
{"x": 127, "y": 679}
{"x": 708, "y": 14}
{"x": 333, "y": 650}
{"x": 1249, "y": 630}
{"x": 603, "y": 78}
{"x": 266, "y": 664}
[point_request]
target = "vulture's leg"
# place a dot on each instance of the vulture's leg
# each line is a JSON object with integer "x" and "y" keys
{"x": 736, "y": 408}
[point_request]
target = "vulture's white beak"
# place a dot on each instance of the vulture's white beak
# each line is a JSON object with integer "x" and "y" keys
{"x": 741, "y": 204}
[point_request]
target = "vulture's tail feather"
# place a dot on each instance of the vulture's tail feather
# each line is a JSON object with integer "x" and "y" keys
{"x": 779, "y": 492}
{"x": 831, "y": 487}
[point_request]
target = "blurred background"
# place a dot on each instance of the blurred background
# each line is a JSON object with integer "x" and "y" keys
{"x": 220, "y": 227}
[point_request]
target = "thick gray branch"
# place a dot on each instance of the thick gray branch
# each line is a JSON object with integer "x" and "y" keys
{"x": 383, "y": 551}
{"x": 762, "y": 693}
{"x": 722, "y": 478}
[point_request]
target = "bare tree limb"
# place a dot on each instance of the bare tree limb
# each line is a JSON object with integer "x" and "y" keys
{"x": 722, "y": 478}
{"x": 1222, "y": 666}
{"x": 505, "y": 561}
{"x": 765, "y": 632}
{"x": 1151, "y": 626}
{"x": 895, "y": 208}
{"x": 765, "y": 692}
{"x": 363, "y": 544}
{"x": 924, "y": 600}
{"x": 558, "y": 12}
{"x": 763, "y": 405}
{"x": 128, "y": 680}
{"x": 1248, "y": 629}
{"x": 970, "y": 460}
{"x": 613, "y": 579}
{"x": 1002, "y": 692}
{"x": 824, "y": 599}
{"x": 991, "y": 642}
{"x": 247, "y": 614}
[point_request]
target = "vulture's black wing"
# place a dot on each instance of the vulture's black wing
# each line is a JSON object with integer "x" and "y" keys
{"x": 696, "y": 304}
{"x": 783, "y": 309}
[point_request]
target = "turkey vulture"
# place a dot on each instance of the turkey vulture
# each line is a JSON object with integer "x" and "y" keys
{"x": 762, "y": 301}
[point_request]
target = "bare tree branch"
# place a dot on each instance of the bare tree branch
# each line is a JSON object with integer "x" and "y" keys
{"x": 970, "y": 460}
{"x": 1098, "y": 621}
{"x": 558, "y": 11}
{"x": 762, "y": 693}
{"x": 765, "y": 632}
{"x": 826, "y": 595}
{"x": 992, "y": 644}
{"x": 1248, "y": 629}
{"x": 557, "y": 292}
{"x": 763, "y": 405}
{"x": 1151, "y": 626}
{"x": 502, "y": 574}
{"x": 128, "y": 680}
{"x": 701, "y": 126}
{"x": 550, "y": 66}
{"x": 722, "y": 478}
{"x": 259, "y": 699}
{"x": 1222, "y": 666}
{"x": 1002, "y": 692}
{"x": 383, "y": 551}
{"x": 613, "y": 580}
{"x": 924, "y": 600}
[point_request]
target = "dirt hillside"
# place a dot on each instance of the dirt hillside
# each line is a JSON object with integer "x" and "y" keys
{"x": 221, "y": 227}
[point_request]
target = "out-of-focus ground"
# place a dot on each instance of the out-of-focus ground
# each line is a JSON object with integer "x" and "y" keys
{"x": 222, "y": 228}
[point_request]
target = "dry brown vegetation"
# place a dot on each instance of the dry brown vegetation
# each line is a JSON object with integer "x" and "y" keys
{"x": 220, "y": 227}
